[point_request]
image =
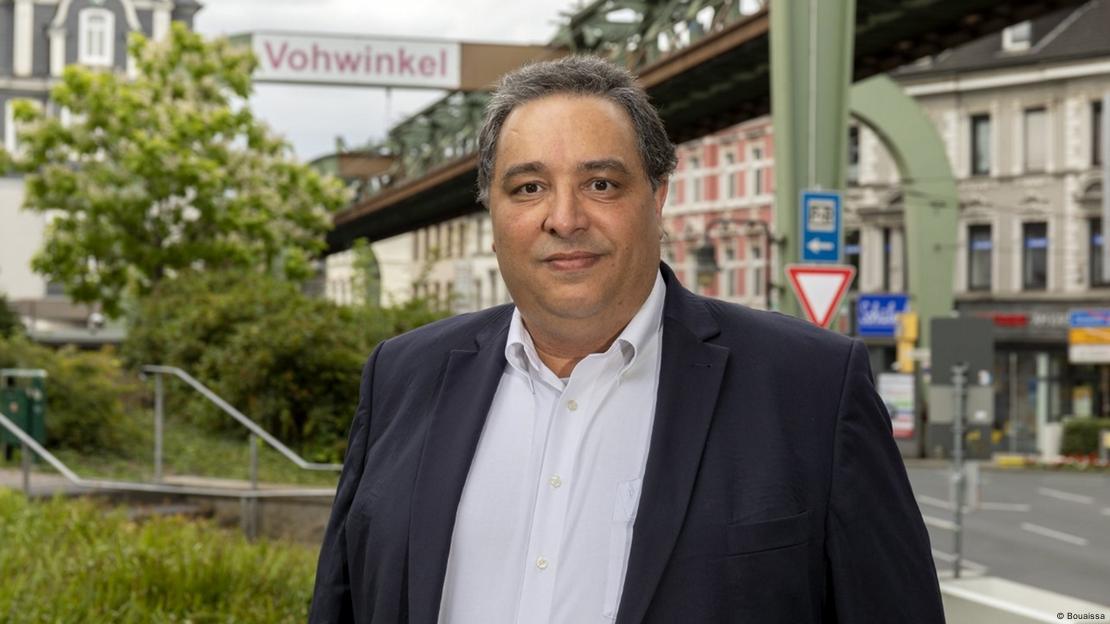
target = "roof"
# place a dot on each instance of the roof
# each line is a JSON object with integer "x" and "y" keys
{"x": 1062, "y": 35}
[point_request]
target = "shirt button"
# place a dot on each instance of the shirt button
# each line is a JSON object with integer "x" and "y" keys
{"x": 572, "y": 405}
{"x": 541, "y": 563}
{"x": 555, "y": 481}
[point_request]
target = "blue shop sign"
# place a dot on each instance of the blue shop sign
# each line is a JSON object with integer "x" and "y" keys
{"x": 877, "y": 315}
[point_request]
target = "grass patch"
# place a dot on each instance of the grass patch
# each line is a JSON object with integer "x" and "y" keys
{"x": 70, "y": 561}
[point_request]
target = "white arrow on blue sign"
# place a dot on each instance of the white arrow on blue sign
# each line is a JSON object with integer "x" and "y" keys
{"x": 821, "y": 226}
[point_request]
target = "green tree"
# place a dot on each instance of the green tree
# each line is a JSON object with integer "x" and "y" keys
{"x": 9, "y": 320}
{"x": 166, "y": 171}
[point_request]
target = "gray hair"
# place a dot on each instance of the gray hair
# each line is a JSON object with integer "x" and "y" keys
{"x": 576, "y": 75}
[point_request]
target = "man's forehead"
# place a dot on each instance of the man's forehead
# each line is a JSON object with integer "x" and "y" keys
{"x": 596, "y": 131}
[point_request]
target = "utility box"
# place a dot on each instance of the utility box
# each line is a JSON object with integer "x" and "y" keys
{"x": 23, "y": 401}
{"x": 968, "y": 341}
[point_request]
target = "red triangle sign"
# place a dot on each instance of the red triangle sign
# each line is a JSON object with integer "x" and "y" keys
{"x": 819, "y": 288}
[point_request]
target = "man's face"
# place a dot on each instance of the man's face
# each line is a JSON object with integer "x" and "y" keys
{"x": 575, "y": 221}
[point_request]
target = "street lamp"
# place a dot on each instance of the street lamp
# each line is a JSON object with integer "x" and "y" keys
{"x": 706, "y": 255}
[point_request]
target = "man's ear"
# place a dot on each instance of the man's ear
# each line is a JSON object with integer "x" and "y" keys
{"x": 661, "y": 197}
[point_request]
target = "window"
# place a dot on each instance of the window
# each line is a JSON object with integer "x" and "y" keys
{"x": 757, "y": 170}
{"x": 730, "y": 183}
{"x": 1034, "y": 256}
{"x": 979, "y": 248}
{"x": 851, "y": 254}
{"x": 1096, "y": 133}
{"x": 696, "y": 183}
{"x": 980, "y": 144}
{"x": 1095, "y": 247}
{"x": 758, "y": 268}
{"x": 96, "y": 35}
{"x": 1017, "y": 38}
{"x": 853, "y": 155}
{"x": 1036, "y": 130}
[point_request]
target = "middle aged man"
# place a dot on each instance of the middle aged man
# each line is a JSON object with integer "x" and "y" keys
{"x": 613, "y": 447}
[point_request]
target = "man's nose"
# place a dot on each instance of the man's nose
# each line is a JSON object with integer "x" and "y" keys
{"x": 566, "y": 214}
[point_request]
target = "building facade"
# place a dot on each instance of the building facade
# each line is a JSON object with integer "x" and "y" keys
{"x": 1020, "y": 114}
{"x": 38, "y": 39}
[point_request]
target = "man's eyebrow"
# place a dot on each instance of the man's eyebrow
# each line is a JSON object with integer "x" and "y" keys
{"x": 529, "y": 167}
{"x": 604, "y": 164}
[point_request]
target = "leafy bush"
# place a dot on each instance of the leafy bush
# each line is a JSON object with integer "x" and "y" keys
{"x": 67, "y": 561}
{"x": 1081, "y": 435}
{"x": 289, "y": 362}
{"x": 9, "y": 321}
{"x": 86, "y": 395}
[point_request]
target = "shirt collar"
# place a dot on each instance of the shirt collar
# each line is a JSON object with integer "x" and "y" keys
{"x": 520, "y": 351}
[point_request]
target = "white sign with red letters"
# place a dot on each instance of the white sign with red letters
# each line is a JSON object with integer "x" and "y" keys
{"x": 346, "y": 60}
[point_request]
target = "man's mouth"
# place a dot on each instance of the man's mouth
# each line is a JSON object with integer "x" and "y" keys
{"x": 571, "y": 261}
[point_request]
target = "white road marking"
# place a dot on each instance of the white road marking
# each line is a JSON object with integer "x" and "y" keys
{"x": 939, "y": 523}
{"x": 1105, "y": 511}
{"x": 949, "y": 558}
{"x": 935, "y": 502}
{"x": 1068, "y": 496}
{"x": 1054, "y": 534}
{"x": 1004, "y": 506}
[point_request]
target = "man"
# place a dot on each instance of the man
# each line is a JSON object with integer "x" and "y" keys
{"x": 613, "y": 447}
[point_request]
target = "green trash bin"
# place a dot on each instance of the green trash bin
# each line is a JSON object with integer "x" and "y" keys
{"x": 23, "y": 401}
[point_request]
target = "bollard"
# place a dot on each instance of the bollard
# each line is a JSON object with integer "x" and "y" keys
{"x": 959, "y": 381}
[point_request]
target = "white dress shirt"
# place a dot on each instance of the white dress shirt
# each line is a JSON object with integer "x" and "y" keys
{"x": 544, "y": 526}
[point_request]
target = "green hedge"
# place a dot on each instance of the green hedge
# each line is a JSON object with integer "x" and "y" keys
{"x": 1081, "y": 435}
{"x": 9, "y": 320}
{"x": 290, "y": 362}
{"x": 68, "y": 561}
{"x": 87, "y": 393}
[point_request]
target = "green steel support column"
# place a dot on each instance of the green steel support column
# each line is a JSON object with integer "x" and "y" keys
{"x": 811, "y": 69}
{"x": 929, "y": 192}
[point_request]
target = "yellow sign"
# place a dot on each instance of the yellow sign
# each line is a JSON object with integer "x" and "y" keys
{"x": 1089, "y": 335}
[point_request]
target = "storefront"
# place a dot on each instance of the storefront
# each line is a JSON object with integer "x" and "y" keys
{"x": 1035, "y": 384}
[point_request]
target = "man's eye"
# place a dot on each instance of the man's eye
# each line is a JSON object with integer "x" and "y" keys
{"x": 601, "y": 185}
{"x": 529, "y": 188}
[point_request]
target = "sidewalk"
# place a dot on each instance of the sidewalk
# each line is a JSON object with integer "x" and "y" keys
{"x": 42, "y": 483}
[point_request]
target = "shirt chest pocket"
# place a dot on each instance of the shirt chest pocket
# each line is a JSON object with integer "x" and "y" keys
{"x": 626, "y": 502}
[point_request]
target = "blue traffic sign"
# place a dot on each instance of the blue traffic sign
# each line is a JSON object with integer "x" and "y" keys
{"x": 821, "y": 226}
{"x": 877, "y": 315}
{"x": 1089, "y": 318}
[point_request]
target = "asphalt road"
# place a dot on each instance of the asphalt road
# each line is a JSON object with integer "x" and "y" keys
{"x": 1046, "y": 529}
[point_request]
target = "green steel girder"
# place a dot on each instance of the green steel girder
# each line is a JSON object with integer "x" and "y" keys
{"x": 930, "y": 199}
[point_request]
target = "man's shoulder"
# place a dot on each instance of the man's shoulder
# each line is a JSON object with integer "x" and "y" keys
{"x": 446, "y": 335}
{"x": 773, "y": 334}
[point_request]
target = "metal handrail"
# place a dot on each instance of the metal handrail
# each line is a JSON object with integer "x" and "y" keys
{"x": 252, "y": 426}
{"x": 134, "y": 486}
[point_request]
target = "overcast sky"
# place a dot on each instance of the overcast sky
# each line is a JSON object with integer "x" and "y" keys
{"x": 312, "y": 117}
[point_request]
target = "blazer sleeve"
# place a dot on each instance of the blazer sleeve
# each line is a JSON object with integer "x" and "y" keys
{"x": 880, "y": 563}
{"x": 331, "y": 597}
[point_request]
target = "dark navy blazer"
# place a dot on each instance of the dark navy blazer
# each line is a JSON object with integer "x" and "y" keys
{"x": 773, "y": 492}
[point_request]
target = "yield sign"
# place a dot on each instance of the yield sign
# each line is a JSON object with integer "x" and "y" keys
{"x": 820, "y": 287}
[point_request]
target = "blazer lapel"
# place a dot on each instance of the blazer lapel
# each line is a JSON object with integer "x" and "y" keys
{"x": 469, "y": 384}
{"x": 689, "y": 380}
